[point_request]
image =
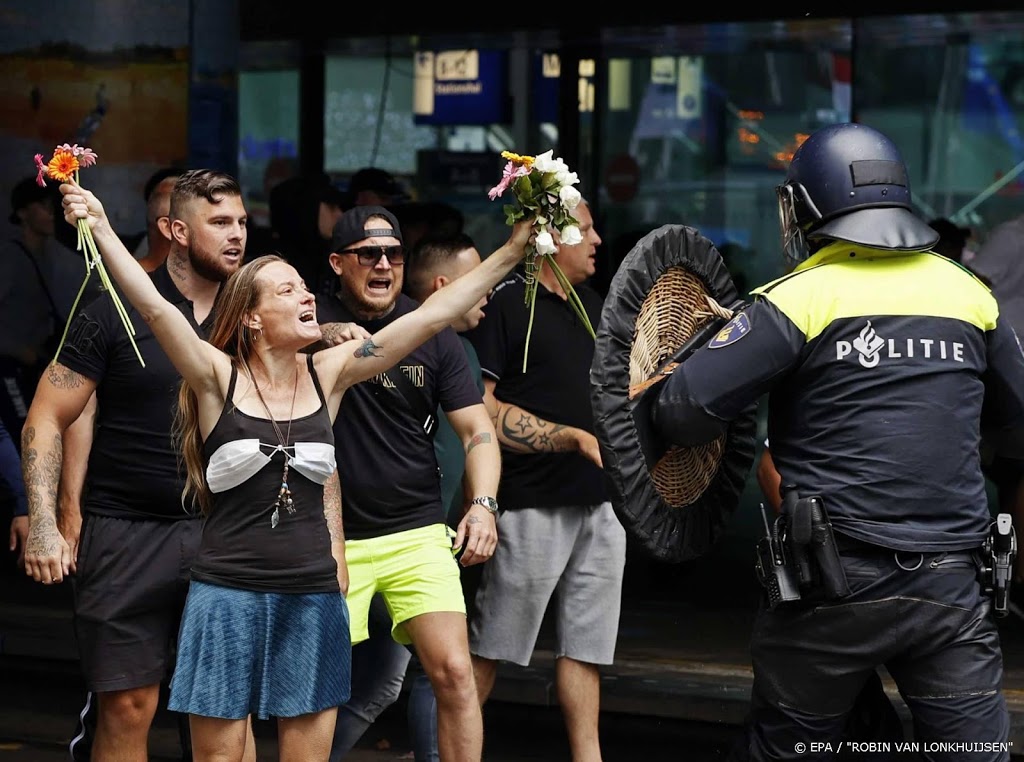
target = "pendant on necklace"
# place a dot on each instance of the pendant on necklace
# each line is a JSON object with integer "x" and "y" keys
{"x": 284, "y": 500}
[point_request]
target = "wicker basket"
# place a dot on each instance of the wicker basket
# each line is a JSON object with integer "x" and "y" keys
{"x": 675, "y": 308}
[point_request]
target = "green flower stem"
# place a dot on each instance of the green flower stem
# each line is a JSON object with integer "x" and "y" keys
{"x": 529, "y": 326}
{"x": 118, "y": 304}
{"x": 108, "y": 284}
{"x": 74, "y": 306}
{"x": 87, "y": 244}
{"x": 530, "y": 293}
{"x": 574, "y": 300}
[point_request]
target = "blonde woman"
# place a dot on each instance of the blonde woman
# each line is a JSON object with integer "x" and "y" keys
{"x": 265, "y": 631}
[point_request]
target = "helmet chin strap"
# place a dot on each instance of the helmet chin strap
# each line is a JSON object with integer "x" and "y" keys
{"x": 795, "y": 248}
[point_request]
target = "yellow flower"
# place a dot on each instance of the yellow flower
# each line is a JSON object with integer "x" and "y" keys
{"x": 62, "y": 166}
{"x": 523, "y": 161}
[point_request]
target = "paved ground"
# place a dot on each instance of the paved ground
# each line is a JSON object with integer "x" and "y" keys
{"x": 679, "y": 689}
{"x": 38, "y": 713}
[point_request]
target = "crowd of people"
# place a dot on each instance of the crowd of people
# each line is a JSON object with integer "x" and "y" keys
{"x": 337, "y": 476}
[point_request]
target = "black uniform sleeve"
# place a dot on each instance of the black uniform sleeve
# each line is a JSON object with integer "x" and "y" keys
{"x": 1002, "y": 417}
{"x": 742, "y": 362}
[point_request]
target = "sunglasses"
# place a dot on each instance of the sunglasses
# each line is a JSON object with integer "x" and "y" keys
{"x": 369, "y": 256}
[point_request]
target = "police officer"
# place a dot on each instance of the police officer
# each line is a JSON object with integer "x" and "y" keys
{"x": 884, "y": 364}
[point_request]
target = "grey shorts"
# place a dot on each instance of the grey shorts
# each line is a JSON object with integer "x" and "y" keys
{"x": 576, "y": 554}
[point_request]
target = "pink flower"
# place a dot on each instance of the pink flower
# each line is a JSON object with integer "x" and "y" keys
{"x": 86, "y": 156}
{"x": 509, "y": 175}
{"x": 42, "y": 170}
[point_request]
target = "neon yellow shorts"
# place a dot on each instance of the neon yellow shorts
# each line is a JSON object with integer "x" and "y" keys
{"x": 413, "y": 570}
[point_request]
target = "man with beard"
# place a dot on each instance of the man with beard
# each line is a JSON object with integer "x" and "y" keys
{"x": 131, "y": 569}
{"x": 397, "y": 540}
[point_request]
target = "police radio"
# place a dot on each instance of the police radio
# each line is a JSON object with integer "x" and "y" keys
{"x": 774, "y": 572}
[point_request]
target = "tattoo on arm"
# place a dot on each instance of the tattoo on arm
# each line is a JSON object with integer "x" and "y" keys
{"x": 478, "y": 439}
{"x": 332, "y": 508}
{"x": 521, "y": 431}
{"x": 41, "y": 472}
{"x": 331, "y": 333}
{"x": 367, "y": 349}
{"x": 328, "y": 338}
{"x": 63, "y": 377}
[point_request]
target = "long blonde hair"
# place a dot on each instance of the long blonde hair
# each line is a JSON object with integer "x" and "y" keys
{"x": 236, "y": 301}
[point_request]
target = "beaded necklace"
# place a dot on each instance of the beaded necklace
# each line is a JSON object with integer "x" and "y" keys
{"x": 284, "y": 495}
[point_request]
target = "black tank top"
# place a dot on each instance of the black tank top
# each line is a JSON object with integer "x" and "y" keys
{"x": 240, "y": 545}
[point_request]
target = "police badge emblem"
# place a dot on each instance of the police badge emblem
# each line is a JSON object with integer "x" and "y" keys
{"x": 732, "y": 332}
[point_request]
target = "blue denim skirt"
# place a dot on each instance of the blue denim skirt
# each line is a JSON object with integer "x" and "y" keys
{"x": 242, "y": 652}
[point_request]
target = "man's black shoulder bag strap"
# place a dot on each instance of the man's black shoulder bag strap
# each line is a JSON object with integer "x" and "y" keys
{"x": 415, "y": 399}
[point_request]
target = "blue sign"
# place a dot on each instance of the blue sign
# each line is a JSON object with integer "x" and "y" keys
{"x": 455, "y": 87}
{"x": 546, "y": 75}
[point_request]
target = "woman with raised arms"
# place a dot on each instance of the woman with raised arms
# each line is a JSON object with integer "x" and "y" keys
{"x": 265, "y": 631}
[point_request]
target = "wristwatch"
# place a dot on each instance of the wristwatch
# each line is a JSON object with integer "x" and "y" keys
{"x": 487, "y": 502}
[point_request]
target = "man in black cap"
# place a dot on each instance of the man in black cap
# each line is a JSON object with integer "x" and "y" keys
{"x": 399, "y": 548}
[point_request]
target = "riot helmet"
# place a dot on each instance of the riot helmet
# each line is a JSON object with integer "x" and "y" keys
{"x": 848, "y": 182}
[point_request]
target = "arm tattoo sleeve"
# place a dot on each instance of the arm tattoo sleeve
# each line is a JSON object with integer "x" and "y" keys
{"x": 478, "y": 439}
{"x": 332, "y": 508}
{"x": 41, "y": 471}
{"x": 521, "y": 431}
{"x": 63, "y": 377}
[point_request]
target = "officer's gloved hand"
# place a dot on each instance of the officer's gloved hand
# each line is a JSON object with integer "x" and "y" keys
{"x": 679, "y": 420}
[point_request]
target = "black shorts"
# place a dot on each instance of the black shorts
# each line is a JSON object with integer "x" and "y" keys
{"x": 130, "y": 590}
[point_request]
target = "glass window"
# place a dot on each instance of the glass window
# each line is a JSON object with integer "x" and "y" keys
{"x": 268, "y": 142}
{"x": 368, "y": 119}
{"x": 955, "y": 110}
{"x": 699, "y": 124}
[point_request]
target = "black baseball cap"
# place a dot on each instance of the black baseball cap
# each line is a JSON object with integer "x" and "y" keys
{"x": 351, "y": 226}
{"x": 26, "y": 192}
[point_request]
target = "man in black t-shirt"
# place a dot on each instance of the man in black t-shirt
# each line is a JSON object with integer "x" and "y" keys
{"x": 131, "y": 571}
{"x": 397, "y": 542}
{"x": 560, "y": 540}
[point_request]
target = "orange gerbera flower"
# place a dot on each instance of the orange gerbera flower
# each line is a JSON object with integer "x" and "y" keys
{"x": 63, "y": 165}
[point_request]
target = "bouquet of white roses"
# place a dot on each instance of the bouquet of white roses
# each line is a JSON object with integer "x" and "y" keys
{"x": 543, "y": 189}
